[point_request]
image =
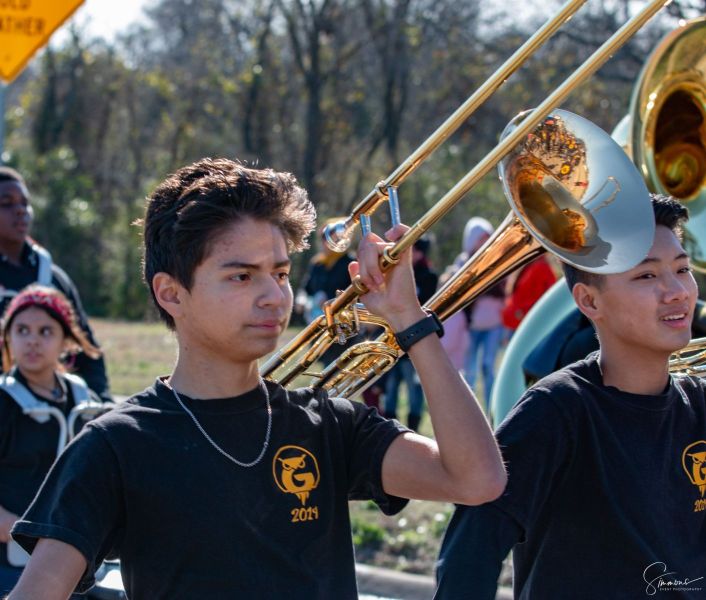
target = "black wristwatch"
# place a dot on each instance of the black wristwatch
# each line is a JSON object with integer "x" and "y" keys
{"x": 410, "y": 336}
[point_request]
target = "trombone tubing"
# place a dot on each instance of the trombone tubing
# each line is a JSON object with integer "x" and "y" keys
{"x": 454, "y": 195}
{"x": 453, "y": 122}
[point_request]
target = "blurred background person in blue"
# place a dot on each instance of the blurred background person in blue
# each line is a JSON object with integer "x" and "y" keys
{"x": 486, "y": 329}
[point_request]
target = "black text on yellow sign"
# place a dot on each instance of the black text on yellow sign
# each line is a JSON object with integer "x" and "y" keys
{"x": 25, "y": 26}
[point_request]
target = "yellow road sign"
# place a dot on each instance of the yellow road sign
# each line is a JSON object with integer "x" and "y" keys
{"x": 25, "y": 26}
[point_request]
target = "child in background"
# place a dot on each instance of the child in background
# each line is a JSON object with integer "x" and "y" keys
{"x": 23, "y": 262}
{"x": 38, "y": 327}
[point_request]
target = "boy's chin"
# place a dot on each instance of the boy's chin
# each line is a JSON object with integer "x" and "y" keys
{"x": 675, "y": 345}
{"x": 261, "y": 349}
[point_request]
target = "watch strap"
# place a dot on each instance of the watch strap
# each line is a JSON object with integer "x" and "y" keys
{"x": 422, "y": 328}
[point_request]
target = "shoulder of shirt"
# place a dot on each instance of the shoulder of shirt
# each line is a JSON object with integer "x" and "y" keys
{"x": 6, "y": 402}
{"x": 306, "y": 397}
{"x": 126, "y": 412}
{"x": 562, "y": 392}
{"x": 61, "y": 277}
{"x": 692, "y": 385}
{"x": 298, "y": 396}
{"x": 317, "y": 399}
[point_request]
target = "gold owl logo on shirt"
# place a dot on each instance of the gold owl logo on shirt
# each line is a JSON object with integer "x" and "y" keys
{"x": 693, "y": 459}
{"x": 295, "y": 471}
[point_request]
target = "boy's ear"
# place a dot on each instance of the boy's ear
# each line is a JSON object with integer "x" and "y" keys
{"x": 585, "y": 298}
{"x": 168, "y": 291}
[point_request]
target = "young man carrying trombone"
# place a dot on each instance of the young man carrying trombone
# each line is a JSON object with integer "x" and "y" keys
{"x": 214, "y": 483}
{"x": 606, "y": 458}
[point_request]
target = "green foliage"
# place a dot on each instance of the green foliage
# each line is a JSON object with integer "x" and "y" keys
{"x": 408, "y": 541}
{"x": 367, "y": 535}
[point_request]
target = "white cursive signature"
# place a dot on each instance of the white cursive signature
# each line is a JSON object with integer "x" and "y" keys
{"x": 661, "y": 581}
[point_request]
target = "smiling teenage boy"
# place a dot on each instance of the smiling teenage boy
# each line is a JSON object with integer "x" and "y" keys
{"x": 606, "y": 457}
{"x": 214, "y": 483}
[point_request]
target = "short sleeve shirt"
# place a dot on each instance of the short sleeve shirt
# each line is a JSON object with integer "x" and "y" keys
{"x": 143, "y": 484}
{"x": 607, "y": 486}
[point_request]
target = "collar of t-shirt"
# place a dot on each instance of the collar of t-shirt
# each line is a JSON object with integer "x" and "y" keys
{"x": 657, "y": 402}
{"x": 248, "y": 401}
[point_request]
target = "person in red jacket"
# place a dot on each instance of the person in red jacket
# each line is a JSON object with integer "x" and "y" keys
{"x": 525, "y": 289}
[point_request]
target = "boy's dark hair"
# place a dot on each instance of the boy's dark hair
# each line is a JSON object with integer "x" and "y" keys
{"x": 190, "y": 208}
{"x": 9, "y": 174}
{"x": 668, "y": 211}
{"x": 423, "y": 244}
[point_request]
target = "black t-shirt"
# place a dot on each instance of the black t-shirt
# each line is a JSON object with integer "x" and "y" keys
{"x": 606, "y": 492}
{"x": 143, "y": 484}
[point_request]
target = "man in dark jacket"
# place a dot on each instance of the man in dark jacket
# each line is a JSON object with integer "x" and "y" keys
{"x": 23, "y": 262}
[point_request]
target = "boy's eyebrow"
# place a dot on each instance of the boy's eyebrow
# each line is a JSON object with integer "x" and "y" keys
{"x": 236, "y": 264}
{"x": 651, "y": 259}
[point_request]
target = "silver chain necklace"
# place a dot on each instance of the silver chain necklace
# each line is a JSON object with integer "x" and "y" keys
{"x": 216, "y": 446}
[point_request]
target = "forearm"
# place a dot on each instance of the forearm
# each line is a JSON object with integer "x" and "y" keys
{"x": 52, "y": 572}
{"x": 464, "y": 464}
{"x": 468, "y": 453}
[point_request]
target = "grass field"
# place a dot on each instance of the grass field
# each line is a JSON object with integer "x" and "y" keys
{"x": 136, "y": 353}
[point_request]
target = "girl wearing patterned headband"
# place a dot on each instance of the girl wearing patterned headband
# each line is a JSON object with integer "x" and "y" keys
{"x": 56, "y": 306}
{"x": 38, "y": 327}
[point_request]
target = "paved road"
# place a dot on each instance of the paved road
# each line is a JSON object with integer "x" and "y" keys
{"x": 384, "y": 584}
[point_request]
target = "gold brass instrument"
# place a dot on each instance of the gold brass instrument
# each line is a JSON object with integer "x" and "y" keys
{"x": 339, "y": 235}
{"x": 573, "y": 190}
{"x": 564, "y": 203}
{"x": 690, "y": 360}
{"x": 665, "y": 129}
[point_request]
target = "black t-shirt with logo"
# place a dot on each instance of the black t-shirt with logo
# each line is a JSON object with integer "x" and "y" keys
{"x": 606, "y": 496}
{"x": 143, "y": 484}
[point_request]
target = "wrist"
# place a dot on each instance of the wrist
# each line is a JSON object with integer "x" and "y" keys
{"x": 427, "y": 325}
{"x": 403, "y": 319}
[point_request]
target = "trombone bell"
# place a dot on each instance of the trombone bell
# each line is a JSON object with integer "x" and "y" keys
{"x": 572, "y": 186}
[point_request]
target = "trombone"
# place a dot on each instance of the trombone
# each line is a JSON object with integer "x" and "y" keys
{"x": 690, "y": 360}
{"x": 554, "y": 218}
